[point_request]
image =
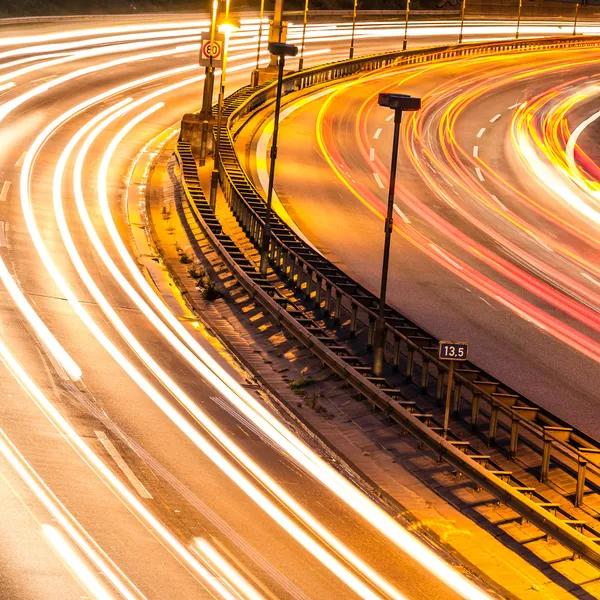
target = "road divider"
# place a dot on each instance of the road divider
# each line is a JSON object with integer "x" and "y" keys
{"x": 335, "y": 294}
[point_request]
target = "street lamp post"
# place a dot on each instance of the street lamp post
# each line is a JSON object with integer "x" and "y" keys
{"x": 519, "y": 19}
{"x": 405, "y": 41}
{"x": 462, "y": 20}
{"x": 575, "y": 21}
{"x": 260, "y": 28}
{"x": 398, "y": 103}
{"x": 280, "y": 50}
{"x": 351, "y": 55}
{"x": 209, "y": 85}
{"x": 226, "y": 28}
{"x": 301, "y": 61}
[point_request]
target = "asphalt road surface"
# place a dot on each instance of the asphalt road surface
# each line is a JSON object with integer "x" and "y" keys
{"x": 143, "y": 470}
{"x": 495, "y": 235}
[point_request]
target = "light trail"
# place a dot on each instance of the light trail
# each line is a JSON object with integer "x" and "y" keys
{"x": 244, "y": 401}
{"x": 385, "y": 527}
{"x": 271, "y": 509}
{"x": 121, "y": 491}
{"x": 386, "y": 523}
{"x": 67, "y": 522}
{"x": 75, "y": 564}
{"x": 497, "y": 292}
{"x": 239, "y": 583}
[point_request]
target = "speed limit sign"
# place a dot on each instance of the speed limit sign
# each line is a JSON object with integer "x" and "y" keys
{"x": 211, "y": 51}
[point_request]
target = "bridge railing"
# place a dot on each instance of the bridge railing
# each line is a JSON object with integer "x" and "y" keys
{"x": 332, "y": 291}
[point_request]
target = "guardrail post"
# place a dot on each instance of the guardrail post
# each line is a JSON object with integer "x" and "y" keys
{"x": 494, "y": 409}
{"x": 397, "y": 351}
{"x": 318, "y": 292}
{"x": 439, "y": 393}
{"x": 371, "y": 333}
{"x": 286, "y": 263}
{"x": 581, "y": 471}
{"x": 475, "y": 410}
{"x": 514, "y": 435}
{"x": 410, "y": 361}
{"x": 328, "y": 290}
{"x": 338, "y": 306}
{"x": 457, "y": 397}
{"x": 353, "y": 319}
{"x": 424, "y": 375}
{"x": 309, "y": 281}
{"x": 300, "y": 277}
{"x": 546, "y": 452}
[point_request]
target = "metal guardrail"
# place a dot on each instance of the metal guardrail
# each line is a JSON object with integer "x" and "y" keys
{"x": 321, "y": 280}
{"x": 320, "y": 276}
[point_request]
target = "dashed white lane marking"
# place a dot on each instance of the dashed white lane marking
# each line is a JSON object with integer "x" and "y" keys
{"x": 114, "y": 453}
{"x": 514, "y": 106}
{"x": 378, "y": 180}
{"x": 3, "y": 241}
{"x": 21, "y": 159}
{"x": 590, "y": 278}
{"x": 389, "y": 117}
{"x": 495, "y": 198}
{"x": 481, "y": 132}
{"x": 377, "y": 133}
{"x": 494, "y": 119}
{"x": 479, "y": 174}
{"x": 402, "y": 215}
{"x": 4, "y": 191}
{"x": 475, "y": 151}
{"x": 372, "y": 154}
{"x": 445, "y": 256}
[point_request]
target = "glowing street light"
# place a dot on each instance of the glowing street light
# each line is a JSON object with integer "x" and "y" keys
{"x": 405, "y": 41}
{"x": 398, "y": 103}
{"x": 280, "y": 50}
{"x": 351, "y": 55}
{"x": 226, "y": 27}
{"x": 462, "y": 20}
{"x": 301, "y": 61}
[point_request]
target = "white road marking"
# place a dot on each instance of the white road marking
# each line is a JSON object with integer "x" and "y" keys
{"x": 114, "y": 453}
{"x": 389, "y": 117}
{"x": 488, "y": 303}
{"x": 494, "y": 119}
{"x": 4, "y": 191}
{"x": 514, "y": 106}
{"x": 570, "y": 147}
{"x": 372, "y": 154}
{"x": 21, "y": 159}
{"x": 3, "y": 242}
{"x": 590, "y": 278}
{"x": 445, "y": 256}
{"x": 479, "y": 174}
{"x": 495, "y": 198}
{"x": 481, "y": 132}
{"x": 402, "y": 215}
{"x": 378, "y": 180}
{"x": 475, "y": 151}
{"x": 377, "y": 133}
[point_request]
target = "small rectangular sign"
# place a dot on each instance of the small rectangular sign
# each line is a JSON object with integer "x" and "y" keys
{"x": 453, "y": 351}
{"x": 211, "y": 51}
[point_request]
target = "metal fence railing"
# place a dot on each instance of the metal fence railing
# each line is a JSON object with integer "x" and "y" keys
{"x": 333, "y": 292}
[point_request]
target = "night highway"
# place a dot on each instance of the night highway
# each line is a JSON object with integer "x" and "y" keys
{"x": 496, "y": 230}
{"x": 134, "y": 463}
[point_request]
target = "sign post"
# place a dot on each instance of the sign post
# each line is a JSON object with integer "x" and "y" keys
{"x": 211, "y": 50}
{"x": 451, "y": 352}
